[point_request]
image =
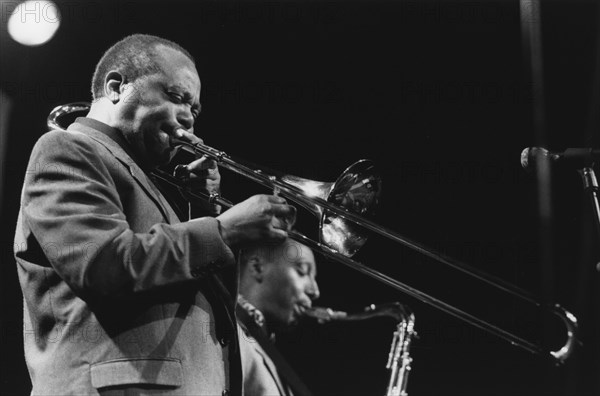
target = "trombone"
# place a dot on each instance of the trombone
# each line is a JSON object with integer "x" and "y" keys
{"x": 343, "y": 207}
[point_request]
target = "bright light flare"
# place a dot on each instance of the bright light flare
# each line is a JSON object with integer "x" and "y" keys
{"x": 34, "y": 22}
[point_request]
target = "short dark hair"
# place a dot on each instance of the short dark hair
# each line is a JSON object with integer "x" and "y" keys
{"x": 270, "y": 251}
{"x": 134, "y": 56}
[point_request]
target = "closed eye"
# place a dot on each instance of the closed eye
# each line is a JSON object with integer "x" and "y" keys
{"x": 302, "y": 270}
{"x": 181, "y": 99}
{"x": 175, "y": 97}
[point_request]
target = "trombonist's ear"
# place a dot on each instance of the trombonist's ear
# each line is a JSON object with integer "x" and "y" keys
{"x": 115, "y": 86}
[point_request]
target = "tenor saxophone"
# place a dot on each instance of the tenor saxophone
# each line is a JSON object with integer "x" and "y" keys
{"x": 399, "y": 358}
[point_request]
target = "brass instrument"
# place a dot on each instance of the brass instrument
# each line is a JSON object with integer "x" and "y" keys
{"x": 399, "y": 359}
{"x": 343, "y": 207}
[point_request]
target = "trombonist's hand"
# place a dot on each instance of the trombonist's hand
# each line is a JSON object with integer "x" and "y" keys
{"x": 260, "y": 218}
{"x": 201, "y": 174}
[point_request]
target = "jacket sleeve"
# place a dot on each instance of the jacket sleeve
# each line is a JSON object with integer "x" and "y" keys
{"x": 72, "y": 210}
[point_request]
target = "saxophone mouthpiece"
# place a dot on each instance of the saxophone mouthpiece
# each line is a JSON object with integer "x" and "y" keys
{"x": 323, "y": 315}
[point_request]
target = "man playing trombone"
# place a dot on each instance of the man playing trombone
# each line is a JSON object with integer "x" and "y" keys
{"x": 120, "y": 296}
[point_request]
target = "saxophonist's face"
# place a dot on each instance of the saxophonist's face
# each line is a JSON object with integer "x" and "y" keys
{"x": 289, "y": 284}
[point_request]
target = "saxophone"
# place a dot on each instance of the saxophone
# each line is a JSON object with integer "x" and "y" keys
{"x": 399, "y": 359}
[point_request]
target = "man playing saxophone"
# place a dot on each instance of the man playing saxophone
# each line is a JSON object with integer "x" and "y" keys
{"x": 277, "y": 285}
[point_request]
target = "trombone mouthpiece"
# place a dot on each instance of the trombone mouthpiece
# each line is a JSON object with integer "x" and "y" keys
{"x": 175, "y": 141}
{"x": 182, "y": 145}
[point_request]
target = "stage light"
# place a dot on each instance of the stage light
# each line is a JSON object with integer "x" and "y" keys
{"x": 34, "y": 23}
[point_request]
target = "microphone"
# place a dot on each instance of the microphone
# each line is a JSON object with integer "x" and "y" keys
{"x": 575, "y": 157}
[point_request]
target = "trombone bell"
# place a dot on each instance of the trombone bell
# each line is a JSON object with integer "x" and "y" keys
{"x": 357, "y": 190}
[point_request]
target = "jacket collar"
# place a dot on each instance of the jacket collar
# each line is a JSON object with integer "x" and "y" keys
{"x": 113, "y": 133}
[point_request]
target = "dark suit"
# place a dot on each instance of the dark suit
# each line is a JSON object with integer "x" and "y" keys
{"x": 117, "y": 292}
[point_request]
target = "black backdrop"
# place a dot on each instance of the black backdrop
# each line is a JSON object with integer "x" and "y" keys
{"x": 439, "y": 95}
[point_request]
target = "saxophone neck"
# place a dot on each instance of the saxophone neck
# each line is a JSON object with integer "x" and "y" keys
{"x": 395, "y": 310}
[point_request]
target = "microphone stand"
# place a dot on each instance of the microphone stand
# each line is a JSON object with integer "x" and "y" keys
{"x": 590, "y": 185}
{"x": 583, "y": 159}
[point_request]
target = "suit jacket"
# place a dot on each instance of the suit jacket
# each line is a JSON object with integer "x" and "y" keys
{"x": 260, "y": 374}
{"x": 118, "y": 293}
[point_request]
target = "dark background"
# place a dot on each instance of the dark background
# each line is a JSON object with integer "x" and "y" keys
{"x": 440, "y": 95}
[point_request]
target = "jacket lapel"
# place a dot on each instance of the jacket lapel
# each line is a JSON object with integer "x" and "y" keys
{"x": 246, "y": 322}
{"x": 134, "y": 170}
{"x": 271, "y": 368}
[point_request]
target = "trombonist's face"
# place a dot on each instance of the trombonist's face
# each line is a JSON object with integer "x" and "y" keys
{"x": 154, "y": 107}
{"x": 289, "y": 284}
